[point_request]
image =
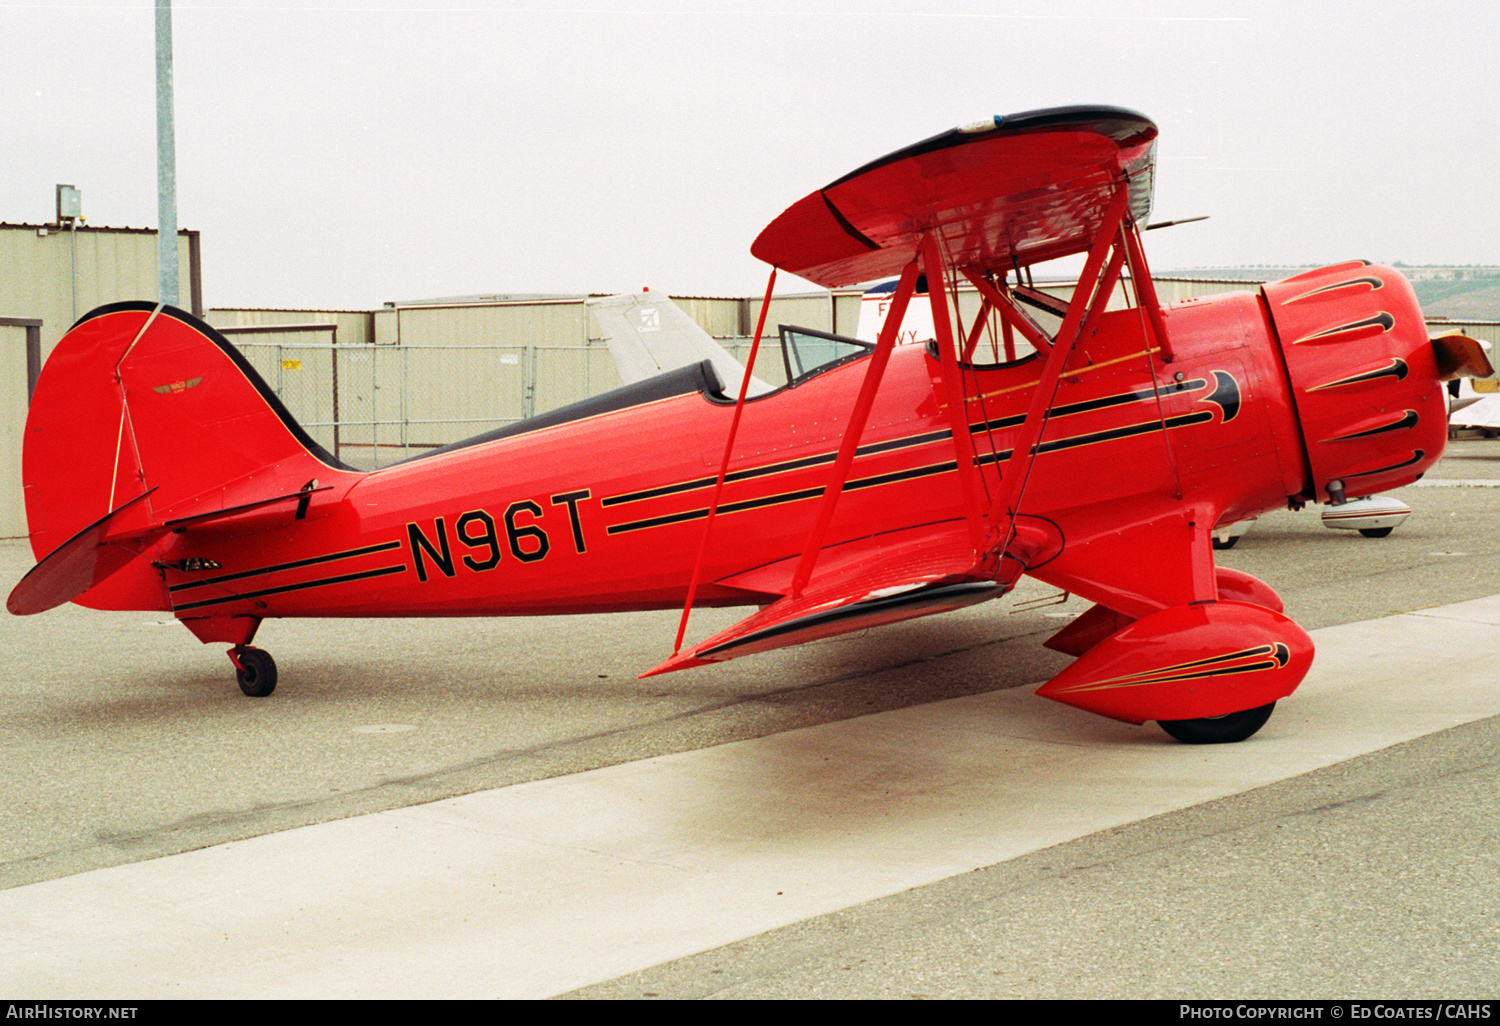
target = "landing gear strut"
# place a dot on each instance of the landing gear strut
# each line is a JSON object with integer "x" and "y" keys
{"x": 255, "y": 670}
{"x": 1218, "y": 730}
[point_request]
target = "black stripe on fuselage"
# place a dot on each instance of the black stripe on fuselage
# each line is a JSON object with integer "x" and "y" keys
{"x": 783, "y": 497}
{"x": 1129, "y": 431}
{"x": 1138, "y": 395}
{"x": 321, "y": 582}
{"x": 824, "y": 458}
{"x": 279, "y": 567}
{"x": 982, "y": 459}
{"x": 820, "y": 459}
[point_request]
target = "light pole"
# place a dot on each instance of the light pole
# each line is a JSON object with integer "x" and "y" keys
{"x": 166, "y": 160}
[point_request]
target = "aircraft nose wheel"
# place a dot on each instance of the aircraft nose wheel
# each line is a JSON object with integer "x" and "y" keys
{"x": 255, "y": 670}
{"x": 1218, "y": 730}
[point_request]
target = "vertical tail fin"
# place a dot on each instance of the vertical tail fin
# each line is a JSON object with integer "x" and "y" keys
{"x": 139, "y": 398}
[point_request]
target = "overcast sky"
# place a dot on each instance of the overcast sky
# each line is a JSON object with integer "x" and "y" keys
{"x": 341, "y": 154}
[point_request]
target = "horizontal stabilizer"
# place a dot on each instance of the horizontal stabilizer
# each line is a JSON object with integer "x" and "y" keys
{"x": 78, "y": 564}
{"x": 302, "y": 496}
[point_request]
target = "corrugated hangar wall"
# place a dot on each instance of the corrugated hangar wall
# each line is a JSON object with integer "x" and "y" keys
{"x": 57, "y": 275}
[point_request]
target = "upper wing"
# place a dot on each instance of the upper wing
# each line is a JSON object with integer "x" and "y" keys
{"x": 981, "y": 199}
{"x": 648, "y": 334}
{"x": 1006, "y": 192}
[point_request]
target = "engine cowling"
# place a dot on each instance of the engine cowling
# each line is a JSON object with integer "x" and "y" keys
{"x": 1365, "y": 378}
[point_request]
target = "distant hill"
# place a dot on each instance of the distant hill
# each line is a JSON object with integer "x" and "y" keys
{"x": 1455, "y": 293}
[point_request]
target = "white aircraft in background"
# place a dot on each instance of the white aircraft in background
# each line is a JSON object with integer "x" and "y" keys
{"x": 1373, "y": 516}
{"x": 1476, "y": 404}
{"x": 916, "y": 326}
{"x": 648, "y": 335}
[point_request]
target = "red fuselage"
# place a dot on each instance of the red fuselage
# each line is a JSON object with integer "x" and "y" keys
{"x": 607, "y": 512}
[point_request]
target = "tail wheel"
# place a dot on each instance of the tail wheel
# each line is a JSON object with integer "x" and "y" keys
{"x": 1218, "y": 730}
{"x": 255, "y": 670}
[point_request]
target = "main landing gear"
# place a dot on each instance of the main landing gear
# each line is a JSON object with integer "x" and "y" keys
{"x": 1218, "y": 730}
{"x": 255, "y": 669}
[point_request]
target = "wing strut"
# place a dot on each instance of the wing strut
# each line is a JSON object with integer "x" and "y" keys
{"x": 1145, "y": 290}
{"x": 1013, "y": 318}
{"x": 1090, "y": 294}
{"x": 958, "y": 411}
{"x": 856, "y": 426}
{"x": 981, "y": 322}
{"x": 734, "y": 427}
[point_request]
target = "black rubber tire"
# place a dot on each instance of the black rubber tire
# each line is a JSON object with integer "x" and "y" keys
{"x": 257, "y": 671}
{"x": 1376, "y": 532}
{"x": 1218, "y": 730}
{"x": 1227, "y": 543}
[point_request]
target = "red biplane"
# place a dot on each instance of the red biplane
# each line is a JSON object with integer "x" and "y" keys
{"x": 880, "y": 483}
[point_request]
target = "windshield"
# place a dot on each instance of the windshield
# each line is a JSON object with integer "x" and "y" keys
{"x": 807, "y": 352}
